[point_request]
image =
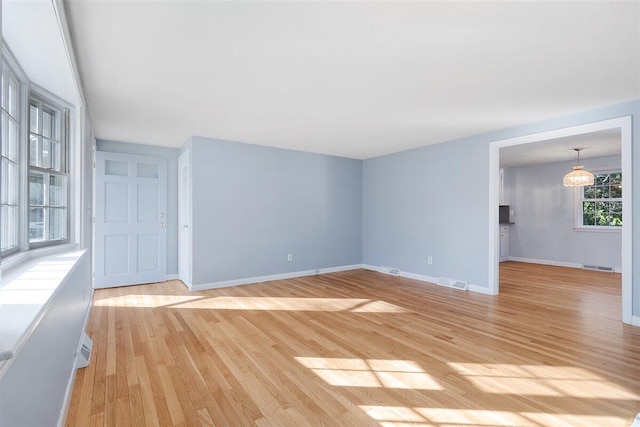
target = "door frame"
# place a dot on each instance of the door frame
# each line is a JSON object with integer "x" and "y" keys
{"x": 624, "y": 124}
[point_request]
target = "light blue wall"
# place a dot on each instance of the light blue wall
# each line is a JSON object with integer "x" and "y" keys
{"x": 544, "y": 217}
{"x": 433, "y": 201}
{"x": 171, "y": 154}
{"x": 428, "y": 202}
{"x": 253, "y": 205}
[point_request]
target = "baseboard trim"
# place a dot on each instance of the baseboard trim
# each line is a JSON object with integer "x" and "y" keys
{"x": 555, "y": 263}
{"x": 545, "y": 262}
{"x": 172, "y": 277}
{"x": 282, "y": 276}
{"x": 635, "y": 320}
{"x": 431, "y": 280}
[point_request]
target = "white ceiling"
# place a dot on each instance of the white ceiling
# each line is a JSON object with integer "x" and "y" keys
{"x": 354, "y": 79}
{"x": 595, "y": 144}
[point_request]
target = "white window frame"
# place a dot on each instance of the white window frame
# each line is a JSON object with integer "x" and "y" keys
{"x": 26, "y": 250}
{"x": 579, "y": 198}
{"x": 43, "y": 99}
{"x": 9, "y": 61}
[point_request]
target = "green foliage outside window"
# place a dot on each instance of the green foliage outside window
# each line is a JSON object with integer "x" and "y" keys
{"x": 602, "y": 202}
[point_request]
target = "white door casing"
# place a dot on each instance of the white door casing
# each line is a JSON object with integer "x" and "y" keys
{"x": 184, "y": 218}
{"x": 130, "y": 219}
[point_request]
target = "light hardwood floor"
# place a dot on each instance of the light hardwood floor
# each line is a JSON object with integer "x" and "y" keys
{"x": 363, "y": 348}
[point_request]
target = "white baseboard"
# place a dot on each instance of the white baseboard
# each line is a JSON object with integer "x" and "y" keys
{"x": 172, "y": 277}
{"x": 555, "y": 263}
{"x": 635, "y": 320}
{"x": 282, "y": 276}
{"x": 432, "y": 280}
{"x": 545, "y": 262}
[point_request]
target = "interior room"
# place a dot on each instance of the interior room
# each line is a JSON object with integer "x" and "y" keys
{"x": 319, "y": 213}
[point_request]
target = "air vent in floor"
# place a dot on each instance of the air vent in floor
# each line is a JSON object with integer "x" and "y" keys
{"x": 389, "y": 270}
{"x": 597, "y": 268}
{"x": 455, "y": 284}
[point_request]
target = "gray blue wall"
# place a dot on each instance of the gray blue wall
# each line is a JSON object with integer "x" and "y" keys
{"x": 426, "y": 202}
{"x": 171, "y": 154}
{"x": 544, "y": 217}
{"x": 253, "y": 205}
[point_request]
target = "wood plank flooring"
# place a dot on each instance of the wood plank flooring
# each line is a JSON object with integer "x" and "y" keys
{"x": 360, "y": 348}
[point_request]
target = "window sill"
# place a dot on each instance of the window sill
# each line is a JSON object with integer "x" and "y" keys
{"x": 26, "y": 292}
{"x": 598, "y": 229}
{"x": 16, "y": 260}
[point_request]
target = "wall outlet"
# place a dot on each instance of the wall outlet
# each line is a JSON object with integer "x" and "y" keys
{"x": 290, "y": 257}
{"x": 429, "y": 260}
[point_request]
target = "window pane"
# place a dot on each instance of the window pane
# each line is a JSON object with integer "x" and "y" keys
{"x": 5, "y": 76}
{"x": 10, "y": 138}
{"x": 147, "y": 170}
{"x": 12, "y": 104}
{"x": 33, "y": 118}
{"x": 48, "y": 123}
{"x": 589, "y": 192}
{"x": 602, "y": 211}
{"x": 56, "y": 156}
{"x": 57, "y": 224}
{"x": 616, "y": 191}
{"x": 57, "y": 190}
{"x": 36, "y": 189}
{"x": 588, "y": 216}
{"x": 13, "y": 140}
{"x": 616, "y": 178}
{"x": 601, "y": 179}
{"x": 10, "y": 183}
{"x": 605, "y": 192}
{"x": 9, "y": 228}
{"x": 36, "y": 224}
{"x": 46, "y": 153}
{"x": 34, "y": 149}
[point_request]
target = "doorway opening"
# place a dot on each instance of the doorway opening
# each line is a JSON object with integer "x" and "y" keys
{"x": 623, "y": 126}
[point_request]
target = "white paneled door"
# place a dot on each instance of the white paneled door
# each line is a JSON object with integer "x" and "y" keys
{"x": 130, "y": 219}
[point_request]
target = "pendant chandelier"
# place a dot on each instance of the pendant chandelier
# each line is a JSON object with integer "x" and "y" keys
{"x": 578, "y": 177}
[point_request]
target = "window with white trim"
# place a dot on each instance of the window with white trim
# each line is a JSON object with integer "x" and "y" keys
{"x": 34, "y": 186}
{"x": 600, "y": 204}
{"x": 10, "y": 184}
{"x": 48, "y": 179}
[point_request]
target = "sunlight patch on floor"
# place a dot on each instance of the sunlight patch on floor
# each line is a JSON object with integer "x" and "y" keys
{"x": 386, "y": 373}
{"x": 293, "y": 304}
{"x": 399, "y": 416}
{"x": 540, "y": 380}
{"x": 150, "y": 301}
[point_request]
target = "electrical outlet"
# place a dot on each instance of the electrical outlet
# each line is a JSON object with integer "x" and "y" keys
{"x": 290, "y": 257}
{"x": 429, "y": 260}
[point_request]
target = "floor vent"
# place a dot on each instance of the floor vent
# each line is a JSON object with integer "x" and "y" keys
{"x": 460, "y": 285}
{"x": 598, "y": 268}
{"x": 83, "y": 355}
{"x": 455, "y": 284}
{"x": 389, "y": 270}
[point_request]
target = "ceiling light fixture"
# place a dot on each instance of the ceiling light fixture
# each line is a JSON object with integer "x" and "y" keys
{"x": 578, "y": 177}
